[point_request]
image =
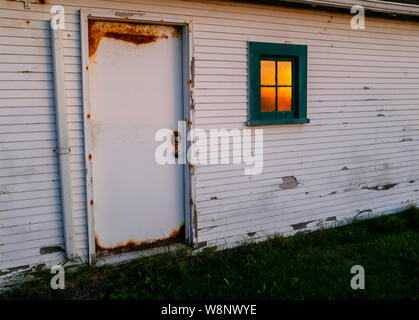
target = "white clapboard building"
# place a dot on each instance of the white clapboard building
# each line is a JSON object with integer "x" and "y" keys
{"x": 281, "y": 116}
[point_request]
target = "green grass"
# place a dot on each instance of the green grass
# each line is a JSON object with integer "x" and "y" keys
{"x": 308, "y": 266}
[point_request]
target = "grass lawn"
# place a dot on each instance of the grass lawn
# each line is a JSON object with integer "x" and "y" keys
{"x": 308, "y": 266}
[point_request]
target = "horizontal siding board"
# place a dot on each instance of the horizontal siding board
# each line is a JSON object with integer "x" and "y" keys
{"x": 364, "y": 202}
{"x": 19, "y": 111}
{"x": 48, "y": 260}
{"x": 267, "y": 207}
{"x": 27, "y": 77}
{"x": 35, "y": 244}
{"x": 35, "y": 235}
{"x": 323, "y": 56}
{"x": 25, "y": 67}
{"x": 361, "y": 138}
{"x": 355, "y": 179}
{"x": 311, "y": 194}
{"x": 301, "y": 18}
{"x": 223, "y": 238}
{"x": 28, "y": 203}
{"x": 317, "y": 178}
{"x": 317, "y": 204}
{"x": 262, "y": 232}
{"x": 30, "y": 227}
{"x": 29, "y": 211}
{"x": 301, "y": 171}
{"x": 287, "y": 30}
{"x": 319, "y": 188}
{"x": 24, "y": 50}
{"x": 18, "y": 196}
{"x": 344, "y": 161}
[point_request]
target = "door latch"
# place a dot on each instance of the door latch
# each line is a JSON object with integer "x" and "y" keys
{"x": 177, "y": 140}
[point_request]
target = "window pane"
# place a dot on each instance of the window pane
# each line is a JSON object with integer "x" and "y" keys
{"x": 284, "y": 73}
{"x": 267, "y": 72}
{"x": 284, "y": 98}
{"x": 267, "y": 99}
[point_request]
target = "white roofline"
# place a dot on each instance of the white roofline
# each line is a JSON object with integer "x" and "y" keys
{"x": 370, "y": 5}
{"x": 398, "y": 4}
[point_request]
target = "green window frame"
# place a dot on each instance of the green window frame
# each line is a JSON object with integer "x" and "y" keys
{"x": 297, "y": 55}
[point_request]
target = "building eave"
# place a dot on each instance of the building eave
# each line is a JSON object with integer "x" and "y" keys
{"x": 399, "y": 10}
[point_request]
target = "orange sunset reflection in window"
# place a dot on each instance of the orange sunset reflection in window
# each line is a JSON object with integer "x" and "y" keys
{"x": 276, "y": 85}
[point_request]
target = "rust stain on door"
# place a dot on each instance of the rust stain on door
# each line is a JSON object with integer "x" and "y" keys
{"x": 114, "y": 81}
{"x": 136, "y": 33}
{"x": 176, "y": 236}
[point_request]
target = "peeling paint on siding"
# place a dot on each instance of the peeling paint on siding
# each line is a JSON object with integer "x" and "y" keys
{"x": 289, "y": 182}
{"x": 381, "y": 187}
{"x": 333, "y": 218}
{"x": 11, "y": 270}
{"x": 301, "y": 225}
{"x": 363, "y": 213}
{"x": 201, "y": 244}
{"x": 52, "y": 249}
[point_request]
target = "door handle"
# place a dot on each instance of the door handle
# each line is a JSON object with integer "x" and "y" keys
{"x": 177, "y": 140}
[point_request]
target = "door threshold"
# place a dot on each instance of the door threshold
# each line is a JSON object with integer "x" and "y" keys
{"x": 128, "y": 256}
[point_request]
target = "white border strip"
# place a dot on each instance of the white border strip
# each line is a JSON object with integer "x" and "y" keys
{"x": 392, "y": 8}
{"x": 395, "y": 3}
{"x": 63, "y": 148}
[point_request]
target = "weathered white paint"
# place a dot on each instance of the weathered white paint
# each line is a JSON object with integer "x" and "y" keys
{"x": 135, "y": 90}
{"x": 84, "y": 38}
{"x": 362, "y": 103}
{"x": 63, "y": 148}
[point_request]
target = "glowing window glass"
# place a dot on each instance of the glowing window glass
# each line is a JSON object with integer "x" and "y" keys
{"x": 267, "y": 99}
{"x": 267, "y": 72}
{"x": 276, "y": 85}
{"x": 284, "y": 72}
{"x": 284, "y": 98}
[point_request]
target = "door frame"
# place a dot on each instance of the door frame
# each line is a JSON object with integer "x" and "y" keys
{"x": 190, "y": 216}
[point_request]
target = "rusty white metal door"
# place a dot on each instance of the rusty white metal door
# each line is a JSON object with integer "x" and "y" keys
{"x": 135, "y": 84}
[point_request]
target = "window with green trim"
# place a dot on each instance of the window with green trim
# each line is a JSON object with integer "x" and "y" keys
{"x": 277, "y": 84}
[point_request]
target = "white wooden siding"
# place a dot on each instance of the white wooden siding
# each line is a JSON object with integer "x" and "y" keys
{"x": 30, "y": 217}
{"x": 363, "y": 102}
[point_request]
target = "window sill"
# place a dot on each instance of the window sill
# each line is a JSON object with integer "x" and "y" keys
{"x": 252, "y": 123}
